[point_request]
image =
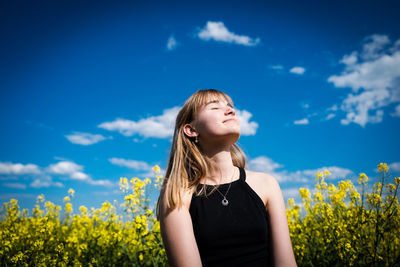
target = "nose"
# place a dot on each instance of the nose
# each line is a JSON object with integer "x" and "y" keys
{"x": 230, "y": 111}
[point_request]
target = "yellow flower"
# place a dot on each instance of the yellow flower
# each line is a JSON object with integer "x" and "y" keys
{"x": 156, "y": 169}
{"x": 68, "y": 208}
{"x": 363, "y": 178}
{"x": 383, "y": 167}
{"x": 71, "y": 192}
{"x": 67, "y": 199}
{"x": 129, "y": 197}
{"x": 304, "y": 193}
{"x": 327, "y": 173}
{"x": 347, "y": 246}
{"x": 390, "y": 187}
{"x": 83, "y": 209}
{"x": 40, "y": 198}
{"x": 318, "y": 197}
{"x": 123, "y": 184}
{"x": 374, "y": 198}
{"x": 149, "y": 212}
{"x": 319, "y": 176}
{"x": 105, "y": 207}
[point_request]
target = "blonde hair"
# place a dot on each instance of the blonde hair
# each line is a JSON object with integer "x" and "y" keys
{"x": 187, "y": 165}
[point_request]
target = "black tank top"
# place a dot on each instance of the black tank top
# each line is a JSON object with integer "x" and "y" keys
{"x": 232, "y": 235}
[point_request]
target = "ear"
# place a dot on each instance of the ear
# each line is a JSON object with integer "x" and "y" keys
{"x": 189, "y": 130}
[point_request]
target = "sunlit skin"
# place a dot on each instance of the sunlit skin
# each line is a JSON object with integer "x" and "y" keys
{"x": 217, "y": 127}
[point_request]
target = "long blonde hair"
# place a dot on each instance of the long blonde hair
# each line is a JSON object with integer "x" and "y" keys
{"x": 187, "y": 165}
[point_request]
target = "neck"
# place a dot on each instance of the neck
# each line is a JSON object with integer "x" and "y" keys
{"x": 223, "y": 170}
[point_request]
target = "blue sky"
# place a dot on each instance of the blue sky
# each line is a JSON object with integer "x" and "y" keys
{"x": 89, "y": 90}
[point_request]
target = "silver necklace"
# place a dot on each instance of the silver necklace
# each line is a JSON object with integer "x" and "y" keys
{"x": 224, "y": 201}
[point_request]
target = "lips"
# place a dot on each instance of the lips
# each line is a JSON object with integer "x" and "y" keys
{"x": 231, "y": 119}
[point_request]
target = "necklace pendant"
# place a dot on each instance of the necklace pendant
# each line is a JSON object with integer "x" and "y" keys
{"x": 225, "y": 202}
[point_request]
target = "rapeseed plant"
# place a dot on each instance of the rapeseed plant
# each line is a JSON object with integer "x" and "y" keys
{"x": 337, "y": 225}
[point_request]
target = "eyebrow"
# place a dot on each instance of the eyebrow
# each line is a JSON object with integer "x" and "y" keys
{"x": 217, "y": 101}
{"x": 211, "y": 102}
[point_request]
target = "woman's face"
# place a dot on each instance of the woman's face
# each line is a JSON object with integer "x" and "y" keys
{"x": 216, "y": 121}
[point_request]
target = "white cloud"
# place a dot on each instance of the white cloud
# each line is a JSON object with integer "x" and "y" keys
{"x": 298, "y": 70}
{"x": 107, "y": 183}
{"x": 130, "y": 163}
{"x": 40, "y": 178}
{"x": 171, "y": 43}
{"x": 373, "y": 74}
{"x": 74, "y": 172}
{"x": 336, "y": 172}
{"x": 64, "y": 168}
{"x": 301, "y": 122}
{"x": 292, "y": 192}
{"x": 161, "y": 126}
{"x": 263, "y": 164}
{"x": 246, "y": 127}
{"x": 79, "y": 176}
{"x": 333, "y": 108}
{"x": 331, "y": 112}
{"x": 267, "y": 165}
{"x": 44, "y": 182}
{"x": 145, "y": 168}
{"x": 359, "y": 107}
{"x": 15, "y": 185}
{"x": 395, "y": 166}
{"x": 374, "y": 46}
{"x": 136, "y": 165}
{"x": 330, "y": 116}
{"x": 218, "y": 32}
{"x": 396, "y": 113}
{"x": 44, "y": 178}
{"x": 349, "y": 59}
{"x": 9, "y": 168}
{"x": 85, "y": 138}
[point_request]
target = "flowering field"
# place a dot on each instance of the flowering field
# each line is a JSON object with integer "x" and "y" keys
{"x": 338, "y": 225}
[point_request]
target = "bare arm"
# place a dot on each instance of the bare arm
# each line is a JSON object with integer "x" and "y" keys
{"x": 281, "y": 244}
{"x": 178, "y": 237}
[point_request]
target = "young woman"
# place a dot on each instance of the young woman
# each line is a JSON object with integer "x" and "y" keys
{"x": 212, "y": 211}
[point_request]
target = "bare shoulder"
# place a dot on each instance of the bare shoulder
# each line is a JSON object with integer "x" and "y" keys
{"x": 262, "y": 179}
{"x": 264, "y": 184}
{"x": 186, "y": 197}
